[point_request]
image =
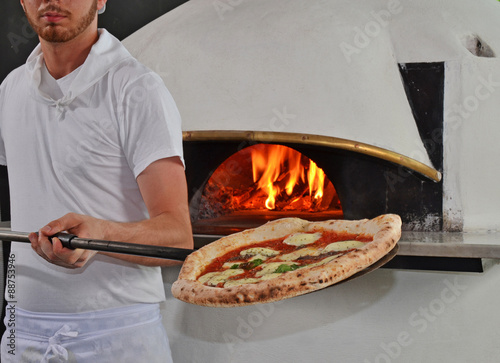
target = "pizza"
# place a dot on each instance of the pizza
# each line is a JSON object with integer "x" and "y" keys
{"x": 283, "y": 258}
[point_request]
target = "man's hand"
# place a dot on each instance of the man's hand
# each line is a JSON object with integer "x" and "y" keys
{"x": 54, "y": 252}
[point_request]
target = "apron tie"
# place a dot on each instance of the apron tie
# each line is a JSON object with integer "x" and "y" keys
{"x": 55, "y": 348}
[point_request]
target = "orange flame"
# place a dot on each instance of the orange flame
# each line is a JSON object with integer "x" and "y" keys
{"x": 277, "y": 168}
{"x": 316, "y": 179}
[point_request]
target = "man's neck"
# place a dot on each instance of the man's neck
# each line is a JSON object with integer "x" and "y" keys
{"x": 63, "y": 58}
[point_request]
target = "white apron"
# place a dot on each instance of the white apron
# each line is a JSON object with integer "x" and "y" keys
{"x": 127, "y": 334}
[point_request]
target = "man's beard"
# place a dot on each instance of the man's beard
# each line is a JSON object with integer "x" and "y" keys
{"x": 56, "y": 34}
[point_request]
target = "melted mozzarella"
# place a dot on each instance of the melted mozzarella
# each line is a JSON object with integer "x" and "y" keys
{"x": 323, "y": 261}
{"x": 343, "y": 246}
{"x": 250, "y": 280}
{"x": 259, "y": 251}
{"x": 271, "y": 276}
{"x": 300, "y": 239}
{"x": 269, "y": 268}
{"x": 215, "y": 278}
{"x": 258, "y": 257}
{"x": 306, "y": 251}
{"x": 237, "y": 262}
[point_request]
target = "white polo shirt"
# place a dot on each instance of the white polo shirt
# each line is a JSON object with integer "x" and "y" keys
{"x": 77, "y": 145}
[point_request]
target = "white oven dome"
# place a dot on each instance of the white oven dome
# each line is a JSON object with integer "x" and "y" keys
{"x": 306, "y": 66}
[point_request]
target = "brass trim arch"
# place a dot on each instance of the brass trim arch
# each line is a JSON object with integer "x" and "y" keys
{"x": 319, "y": 140}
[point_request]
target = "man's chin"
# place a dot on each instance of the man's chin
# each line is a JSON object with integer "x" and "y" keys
{"x": 55, "y": 34}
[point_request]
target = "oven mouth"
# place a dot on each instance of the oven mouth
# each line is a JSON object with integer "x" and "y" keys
{"x": 369, "y": 180}
{"x": 264, "y": 182}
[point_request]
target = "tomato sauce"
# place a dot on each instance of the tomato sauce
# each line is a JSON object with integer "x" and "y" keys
{"x": 278, "y": 245}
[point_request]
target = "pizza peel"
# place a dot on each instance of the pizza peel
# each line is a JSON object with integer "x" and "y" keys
{"x": 71, "y": 241}
{"x": 171, "y": 253}
{"x": 374, "y": 266}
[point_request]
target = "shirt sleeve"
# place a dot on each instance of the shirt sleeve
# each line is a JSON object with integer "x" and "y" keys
{"x": 151, "y": 126}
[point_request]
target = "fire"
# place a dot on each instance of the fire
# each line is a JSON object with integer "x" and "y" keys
{"x": 265, "y": 178}
{"x": 279, "y": 168}
{"x": 316, "y": 179}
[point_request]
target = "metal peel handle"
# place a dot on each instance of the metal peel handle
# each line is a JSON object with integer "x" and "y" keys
{"x": 71, "y": 241}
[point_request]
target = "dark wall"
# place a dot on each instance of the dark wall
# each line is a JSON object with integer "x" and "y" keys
{"x": 122, "y": 18}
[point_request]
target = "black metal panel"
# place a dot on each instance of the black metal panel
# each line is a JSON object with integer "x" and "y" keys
{"x": 424, "y": 86}
{"x": 436, "y": 263}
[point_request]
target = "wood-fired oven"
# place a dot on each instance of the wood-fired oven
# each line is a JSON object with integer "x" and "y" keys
{"x": 364, "y": 180}
{"x": 381, "y": 112}
{"x": 397, "y": 102}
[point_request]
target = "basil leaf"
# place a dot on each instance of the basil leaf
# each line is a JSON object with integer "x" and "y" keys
{"x": 257, "y": 262}
{"x": 285, "y": 268}
{"x": 235, "y": 266}
{"x": 251, "y": 264}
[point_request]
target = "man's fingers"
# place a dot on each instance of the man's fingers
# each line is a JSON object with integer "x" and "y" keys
{"x": 66, "y": 222}
{"x": 56, "y": 253}
{"x": 51, "y": 229}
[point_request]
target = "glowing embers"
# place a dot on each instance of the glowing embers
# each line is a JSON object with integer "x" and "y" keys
{"x": 270, "y": 180}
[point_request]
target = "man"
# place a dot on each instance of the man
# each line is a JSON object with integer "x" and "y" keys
{"x": 92, "y": 143}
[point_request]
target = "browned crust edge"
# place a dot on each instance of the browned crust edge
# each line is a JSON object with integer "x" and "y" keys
{"x": 386, "y": 231}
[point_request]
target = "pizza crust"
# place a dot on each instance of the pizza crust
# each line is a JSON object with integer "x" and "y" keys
{"x": 385, "y": 229}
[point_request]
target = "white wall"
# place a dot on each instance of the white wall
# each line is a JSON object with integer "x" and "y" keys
{"x": 385, "y": 316}
{"x": 472, "y": 150}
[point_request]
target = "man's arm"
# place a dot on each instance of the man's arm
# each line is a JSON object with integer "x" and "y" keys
{"x": 164, "y": 191}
